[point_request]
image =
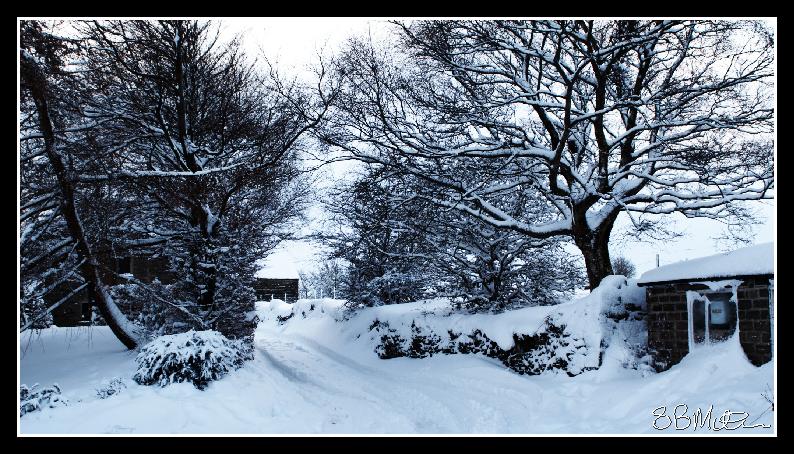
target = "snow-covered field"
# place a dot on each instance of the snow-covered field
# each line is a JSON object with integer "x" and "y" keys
{"x": 315, "y": 375}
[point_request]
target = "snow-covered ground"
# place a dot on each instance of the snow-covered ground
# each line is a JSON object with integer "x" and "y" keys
{"x": 314, "y": 375}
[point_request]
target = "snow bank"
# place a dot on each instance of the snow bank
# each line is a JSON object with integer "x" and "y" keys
{"x": 758, "y": 259}
{"x": 567, "y": 337}
{"x": 71, "y": 355}
{"x": 438, "y": 316}
{"x": 312, "y": 376}
{"x": 613, "y": 311}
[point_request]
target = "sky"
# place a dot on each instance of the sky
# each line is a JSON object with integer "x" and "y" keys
{"x": 294, "y": 43}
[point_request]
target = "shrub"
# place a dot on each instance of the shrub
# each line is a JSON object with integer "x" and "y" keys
{"x": 111, "y": 389}
{"x": 550, "y": 349}
{"x": 34, "y": 311}
{"x": 195, "y": 356}
{"x": 35, "y": 399}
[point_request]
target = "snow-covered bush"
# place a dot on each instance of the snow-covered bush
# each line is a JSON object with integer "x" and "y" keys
{"x": 551, "y": 348}
{"x": 114, "y": 387}
{"x": 195, "y": 356}
{"x": 33, "y": 309}
{"x": 36, "y": 399}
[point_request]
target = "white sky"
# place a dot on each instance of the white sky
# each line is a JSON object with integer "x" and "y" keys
{"x": 294, "y": 44}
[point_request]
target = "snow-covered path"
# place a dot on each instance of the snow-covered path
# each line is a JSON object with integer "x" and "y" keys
{"x": 442, "y": 395}
{"x": 302, "y": 383}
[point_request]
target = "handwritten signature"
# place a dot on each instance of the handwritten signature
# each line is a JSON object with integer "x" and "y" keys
{"x": 681, "y": 419}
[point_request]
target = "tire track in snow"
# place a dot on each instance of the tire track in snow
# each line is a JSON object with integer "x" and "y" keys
{"x": 387, "y": 396}
{"x": 447, "y": 407}
{"x": 306, "y": 372}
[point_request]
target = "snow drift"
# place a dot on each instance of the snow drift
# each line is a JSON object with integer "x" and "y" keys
{"x": 569, "y": 337}
{"x": 313, "y": 375}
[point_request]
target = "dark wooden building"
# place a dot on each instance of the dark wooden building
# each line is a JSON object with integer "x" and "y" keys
{"x": 282, "y": 289}
{"x": 78, "y": 311}
{"x": 702, "y": 301}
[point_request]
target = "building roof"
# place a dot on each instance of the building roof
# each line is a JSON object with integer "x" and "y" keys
{"x": 278, "y": 265}
{"x": 755, "y": 260}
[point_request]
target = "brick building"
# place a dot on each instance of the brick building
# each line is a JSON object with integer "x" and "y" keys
{"x": 706, "y": 300}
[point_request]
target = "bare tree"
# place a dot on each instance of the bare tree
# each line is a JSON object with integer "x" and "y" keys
{"x": 623, "y": 266}
{"x": 326, "y": 281}
{"x": 593, "y": 117}
{"x": 51, "y": 214}
{"x": 375, "y": 234}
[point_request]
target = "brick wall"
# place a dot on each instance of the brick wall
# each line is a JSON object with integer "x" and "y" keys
{"x": 668, "y": 325}
{"x": 755, "y": 329}
{"x": 668, "y": 331}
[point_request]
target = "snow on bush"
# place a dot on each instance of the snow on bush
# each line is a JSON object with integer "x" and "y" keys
{"x": 550, "y": 348}
{"x": 114, "y": 387}
{"x": 570, "y": 338}
{"x": 279, "y": 311}
{"x": 36, "y": 399}
{"x": 195, "y": 356}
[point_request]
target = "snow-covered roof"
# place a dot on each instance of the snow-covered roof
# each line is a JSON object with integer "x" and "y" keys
{"x": 278, "y": 265}
{"x": 747, "y": 261}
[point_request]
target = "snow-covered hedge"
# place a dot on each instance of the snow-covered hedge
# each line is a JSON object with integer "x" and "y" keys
{"x": 550, "y": 348}
{"x": 36, "y": 399}
{"x": 195, "y": 356}
{"x": 570, "y": 338}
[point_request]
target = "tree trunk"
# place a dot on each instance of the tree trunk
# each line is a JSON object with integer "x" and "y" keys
{"x": 34, "y": 78}
{"x": 595, "y": 249}
{"x": 204, "y": 260}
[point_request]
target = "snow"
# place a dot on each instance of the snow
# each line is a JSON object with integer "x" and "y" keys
{"x": 278, "y": 265}
{"x": 312, "y": 374}
{"x": 170, "y": 359}
{"x": 751, "y": 260}
{"x": 583, "y": 320}
{"x": 436, "y": 316}
{"x": 128, "y": 328}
